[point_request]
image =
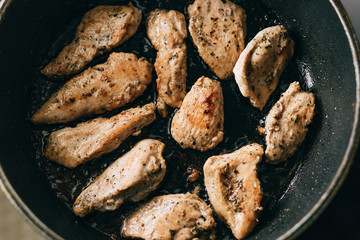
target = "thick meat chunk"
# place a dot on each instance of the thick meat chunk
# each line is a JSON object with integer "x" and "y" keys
{"x": 166, "y": 29}
{"x": 234, "y": 189}
{"x": 218, "y": 30}
{"x": 286, "y": 124}
{"x": 199, "y": 123}
{"x": 261, "y": 64}
{"x": 100, "y": 30}
{"x": 101, "y": 88}
{"x": 167, "y": 32}
{"x": 175, "y": 216}
{"x": 73, "y": 146}
{"x": 131, "y": 177}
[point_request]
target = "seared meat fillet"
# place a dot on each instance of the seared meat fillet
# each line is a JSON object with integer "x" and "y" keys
{"x": 167, "y": 32}
{"x": 166, "y": 29}
{"x": 175, "y": 216}
{"x": 218, "y": 30}
{"x": 73, "y": 146}
{"x": 286, "y": 124}
{"x": 234, "y": 189}
{"x": 101, "y": 88}
{"x": 131, "y": 177}
{"x": 261, "y": 64}
{"x": 100, "y": 30}
{"x": 199, "y": 123}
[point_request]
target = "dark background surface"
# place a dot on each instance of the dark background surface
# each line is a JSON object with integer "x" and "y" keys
{"x": 341, "y": 219}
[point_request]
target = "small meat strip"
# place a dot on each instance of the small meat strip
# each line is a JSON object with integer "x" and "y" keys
{"x": 167, "y": 32}
{"x": 71, "y": 147}
{"x": 234, "y": 188}
{"x": 100, "y": 30}
{"x": 101, "y": 88}
{"x": 218, "y": 30}
{"x": 130, "y": 178}
{"x": 175, "y": 216}
{"x": 261, "y": 64}
{"x": 287, "y": 122}
{"x": 199, "y": 123}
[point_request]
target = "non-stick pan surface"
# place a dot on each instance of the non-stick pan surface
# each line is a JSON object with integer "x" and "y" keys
{"x": 325, "y": 63}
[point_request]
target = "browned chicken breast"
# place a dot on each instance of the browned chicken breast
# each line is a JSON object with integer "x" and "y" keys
{"x": 175, "y": 216}
{"x": 100, "y": 30}
{"x": 167, "y": 31}
{"x": 286, "y": 124}
{"x": 261, "y": 64}
{"x": 131, "y": 177}
{"x": 218, "y": 30}
{"x": 101, "y": 88}
{"x": 234, "y": 189}
{"x": 73, "y": 146}
{"x": 199, "y": 123}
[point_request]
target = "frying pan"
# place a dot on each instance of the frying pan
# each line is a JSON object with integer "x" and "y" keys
{"x": 326, "y": 62}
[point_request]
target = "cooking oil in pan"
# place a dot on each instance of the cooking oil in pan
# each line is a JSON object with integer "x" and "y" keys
{"x": 184, "y": 167}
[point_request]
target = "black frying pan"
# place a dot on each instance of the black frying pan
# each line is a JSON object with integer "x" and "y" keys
{"x": 325, "y": 62}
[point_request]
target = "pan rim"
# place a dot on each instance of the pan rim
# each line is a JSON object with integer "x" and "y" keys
{"x": 41, "y": 228}
{"x": 303, "y": 223}
{"x": 354, "y": 140}
{"x": 24, "y": 211}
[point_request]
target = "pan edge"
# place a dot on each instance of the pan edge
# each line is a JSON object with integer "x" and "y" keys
{"x": 354, "y": 141}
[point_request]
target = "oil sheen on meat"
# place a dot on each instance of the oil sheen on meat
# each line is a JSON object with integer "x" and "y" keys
{"x": 287, "y": 122}
{"x": 199, "y": 123}
{"x": 234, "y": 188}
{"x": 261, "y": 64}
{"x": 130, "y": 178}
{"x": 218, "y": 30}
{"x": 71, "y": 147}
{"x": 101, "y": 88}
{"x": 100, "y": 30}
{"x": 167, "y": 32}
{"x": 174, "y": 216}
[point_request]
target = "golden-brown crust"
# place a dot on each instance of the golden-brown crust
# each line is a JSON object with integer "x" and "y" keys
{"x": 100, "y": 30}
{"x": 74, "y": 146}
{"x": 218, "y": 30}
{"x": 261, "y": 64}
{"x": 234, "y": 188}
{"x": 167, "y": 32}
{"x": 199, "y": 123}
{"x": 101, "y": 88}
{"x": 173, "y": 216}
{"x": 287, "y": 122}
{"x": 129, "y": 178}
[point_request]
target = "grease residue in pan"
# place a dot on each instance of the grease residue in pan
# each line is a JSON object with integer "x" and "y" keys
{"x": 241, "y": 121}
